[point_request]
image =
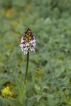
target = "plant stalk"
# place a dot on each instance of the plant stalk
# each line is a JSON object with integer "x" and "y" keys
{"x": 25, "y": 80}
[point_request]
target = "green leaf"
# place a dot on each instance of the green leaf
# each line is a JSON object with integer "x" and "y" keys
{"x": 15, "y": 102}
{"x": 3, "y": 102}
{"x": 52, "y": 101}
{"x": 21, "y": 91}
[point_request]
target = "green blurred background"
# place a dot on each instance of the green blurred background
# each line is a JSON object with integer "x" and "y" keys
{"x": 50, "y": 22}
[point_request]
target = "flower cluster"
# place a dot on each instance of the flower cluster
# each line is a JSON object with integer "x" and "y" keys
{"x": 28, "y": 42}
{"x": 6, "y": 92}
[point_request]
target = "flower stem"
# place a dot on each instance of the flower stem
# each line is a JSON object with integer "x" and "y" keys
{"x": 25, "y": 80}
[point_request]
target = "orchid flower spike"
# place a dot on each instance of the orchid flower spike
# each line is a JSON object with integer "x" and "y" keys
{"x": 28, "y": 42}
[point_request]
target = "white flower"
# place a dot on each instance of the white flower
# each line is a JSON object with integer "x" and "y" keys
{"x": 32, "y": 41}
{"x": 21, "y": 45}
{"x": 25, "y": 52}
{"x": 25, "y": 49}
{"x": 27, "y": 44}
{"x": 22, "y": 40}
{"x": 32, "y": 49}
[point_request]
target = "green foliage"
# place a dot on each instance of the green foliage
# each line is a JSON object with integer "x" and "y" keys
{"x": 3, "y": 102}
{"x": 15, "y": 102}
{"x": 21, "y": 91}
{"x": 49, "y": 74}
